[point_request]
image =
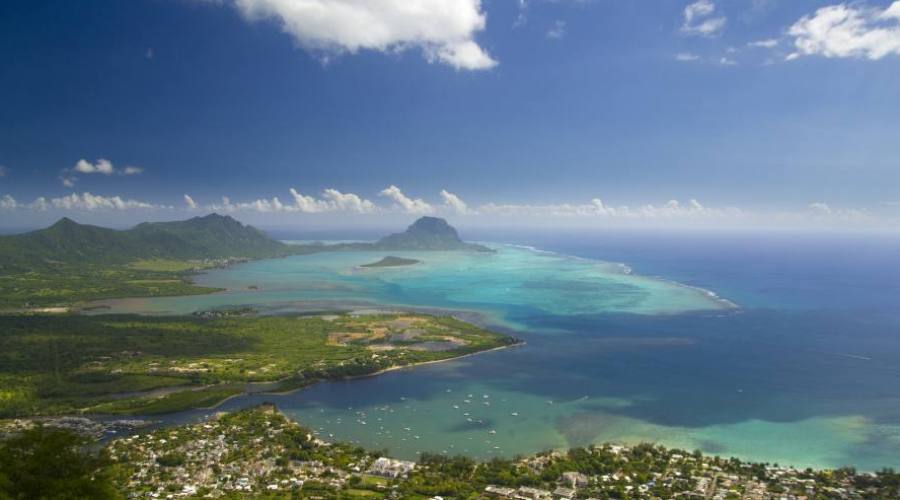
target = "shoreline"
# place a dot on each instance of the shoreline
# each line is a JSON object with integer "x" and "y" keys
{"x": 385, "y": 370}
{"x": 275, "y": 391}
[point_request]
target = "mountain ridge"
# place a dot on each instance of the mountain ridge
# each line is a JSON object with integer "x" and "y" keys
{"x": 69, "y": 242}
{"x": 213, "y": 236}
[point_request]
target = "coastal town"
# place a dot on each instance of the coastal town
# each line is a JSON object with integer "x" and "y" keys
{"x": 259, "y": 453}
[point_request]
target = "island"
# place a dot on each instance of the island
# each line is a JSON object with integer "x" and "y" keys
{"x": 428, "y": 233}
{"x": 391, "y": 261}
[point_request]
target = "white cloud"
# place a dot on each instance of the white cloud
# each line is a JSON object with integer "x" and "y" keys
{"x": 444, "y": 30}
{"x": 3, "y": 171}
{"x": 332, "y": 201}
{"x": 40, "y": 204}
{"x": 557, "y": 31}
{"x": 843, "y": 30}
{"x": 408, "y": 205}
{"x": 686, "y": 57}
{"x": 8, "y": 203}
{"x": 102, "y": 166}
{"x": 727, "y": 61}
{"x": 348, "y": 202}
{"x": 307, "y": 204}
{"x": 700, "y": 19}
{"x": 90, "y": 202}
{"x": 769, "y": 43}
{"x": 454, "y": 203}
{"x": 191, "y": 204}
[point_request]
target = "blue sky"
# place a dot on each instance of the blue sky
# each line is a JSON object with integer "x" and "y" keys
{"x": 764, "y": 112}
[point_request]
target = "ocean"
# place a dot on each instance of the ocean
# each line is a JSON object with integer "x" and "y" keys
{"x": 771, "y": 347}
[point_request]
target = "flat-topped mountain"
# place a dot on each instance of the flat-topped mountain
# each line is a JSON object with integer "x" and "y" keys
{"x": 427, "y": 233}
{"x": 68, "y": 242}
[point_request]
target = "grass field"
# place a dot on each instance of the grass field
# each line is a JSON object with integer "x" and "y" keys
{"x": 67, "y": 363}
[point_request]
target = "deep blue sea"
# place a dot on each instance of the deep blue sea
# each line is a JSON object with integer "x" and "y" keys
{"x": 805, "y": 370}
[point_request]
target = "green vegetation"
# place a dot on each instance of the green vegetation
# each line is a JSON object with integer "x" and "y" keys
{"x": 45, "y": 463}
{"x": 69, "y": 263}
{"x": 73, "y": 244}
{"x": 66, "y": 285}
{"x": 258, "y": 453}
{"x": 163, "y": 265}
{"x": 64, "y": 363}
{"x": 427, "y": 233}
{"x": 391, "y": 261}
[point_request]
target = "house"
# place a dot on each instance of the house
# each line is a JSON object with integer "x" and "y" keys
{"x": 575, "y": 479}
{"x": 528, "y": 493}
{"x": 387, "y": 467}
{"x": 499, "y": 491}
{"x": 564, "y": 492}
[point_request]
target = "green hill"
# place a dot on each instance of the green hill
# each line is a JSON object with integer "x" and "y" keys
{"x": 427, "y": 233}
{"x": 69, "y": 243}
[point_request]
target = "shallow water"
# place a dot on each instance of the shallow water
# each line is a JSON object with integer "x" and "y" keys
{"x": 797, "y": 375}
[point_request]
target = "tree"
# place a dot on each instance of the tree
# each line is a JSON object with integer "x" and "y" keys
{"x": 44, "y": 463}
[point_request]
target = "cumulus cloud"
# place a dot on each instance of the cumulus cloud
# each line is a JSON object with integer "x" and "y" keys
{"x": 848, "y": 30}
{"x": 75, "y": 201}
{"x": 102, "y": 166}
{"x": 332, "y": 200}
{"x": 408, "y": 205}
{"x": 191, "y": 204}
{"x": 701, "y": 19}
{"x": 307, "y": 204}
{"x": 90, "y": 202}
{"x": 8, "y": 203}
{"x": 444, "y": 30}
{"x": 454, "y": 203}
{"x": 348, "y": 202}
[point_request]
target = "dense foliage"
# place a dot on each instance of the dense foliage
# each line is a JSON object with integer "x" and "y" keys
{"x": 61, "y": 363}
{"x": 52, "y": 464}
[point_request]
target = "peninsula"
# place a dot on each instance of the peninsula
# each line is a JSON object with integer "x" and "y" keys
{"x": 128, "y": 364}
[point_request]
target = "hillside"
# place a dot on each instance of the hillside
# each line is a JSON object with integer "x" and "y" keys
{"x": 427, "y": 233}
{"x": 69, "y": 243}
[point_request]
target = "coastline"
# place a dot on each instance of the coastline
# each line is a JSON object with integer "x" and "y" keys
{"x": 386, "y": 370}
{"x": 248, "y": 389}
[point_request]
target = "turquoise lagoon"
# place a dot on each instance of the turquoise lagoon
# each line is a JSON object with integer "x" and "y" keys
{"x": 611, "y": 356}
